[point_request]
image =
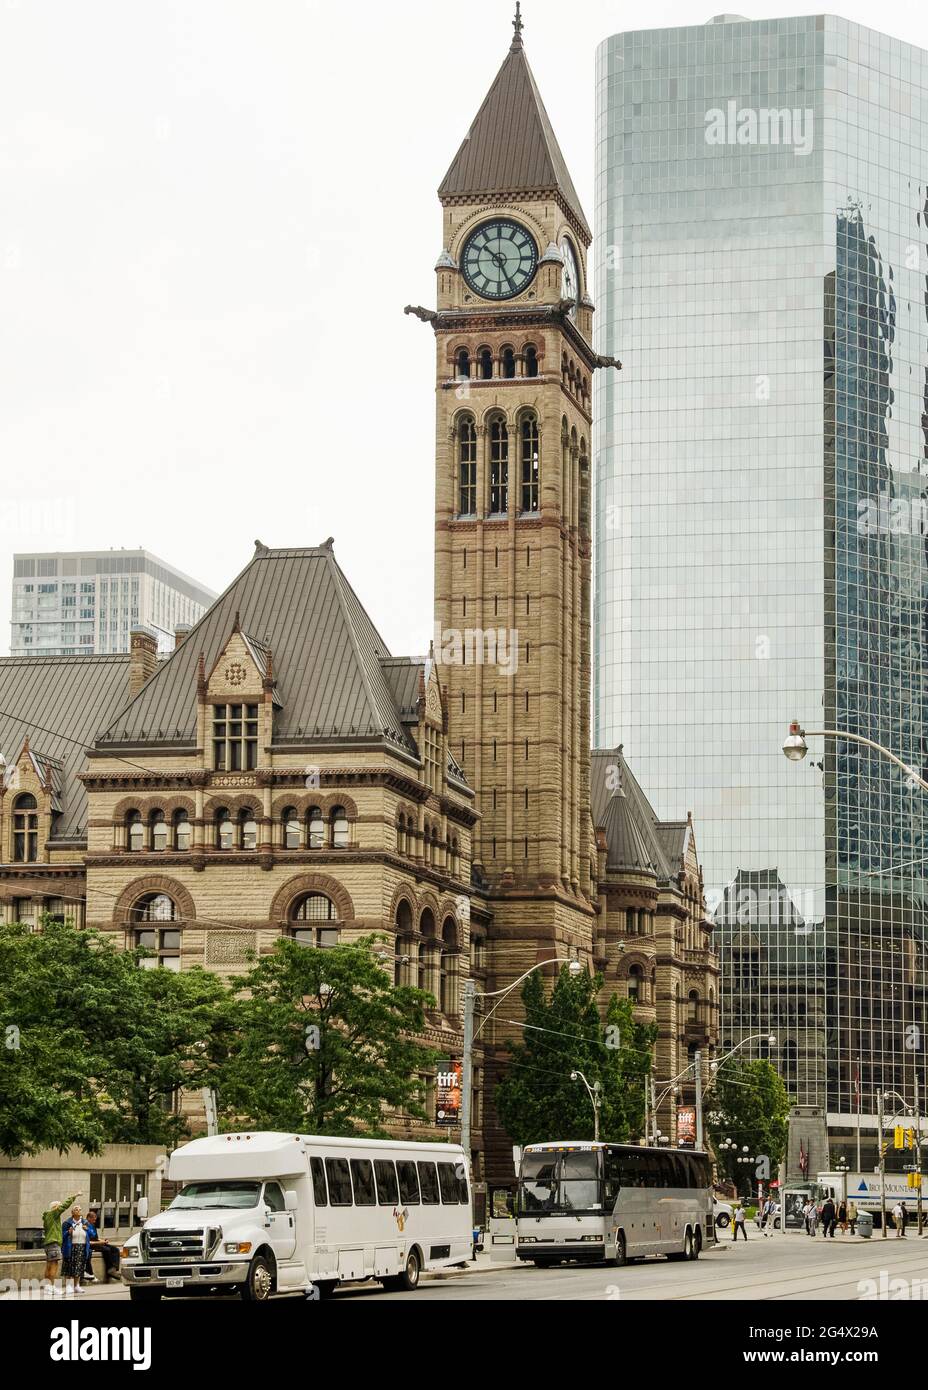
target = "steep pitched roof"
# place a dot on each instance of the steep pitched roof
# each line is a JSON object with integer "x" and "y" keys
{"x": 511, "y": 146}
{"x": 327, "y": 658}
{"x": 61, "y": 702}
{"x": 662, "y": 842}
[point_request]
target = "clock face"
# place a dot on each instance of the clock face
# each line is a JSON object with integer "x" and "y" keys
{"x": 499, "y": 259}
{"x": 570, "y": 279}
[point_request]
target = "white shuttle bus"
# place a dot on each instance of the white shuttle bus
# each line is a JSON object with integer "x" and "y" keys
{"x": 593, "y": 1202}
{"x": 261, "y": 1214}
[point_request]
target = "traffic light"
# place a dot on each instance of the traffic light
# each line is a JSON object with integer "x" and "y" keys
{"x": 899, "y": 1137}
{"x": 913, "y": 1180}
{"x": 910, "y": 1138}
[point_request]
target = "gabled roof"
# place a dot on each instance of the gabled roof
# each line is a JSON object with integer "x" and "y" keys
{"x": 61, "y": 703}
{"x": 330, "y": 662}
{"x": 511, "y": 146}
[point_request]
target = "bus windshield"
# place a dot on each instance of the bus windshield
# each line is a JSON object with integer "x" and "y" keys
{"x": 204, "y": 1196}
{"x": 560, "y": 1182}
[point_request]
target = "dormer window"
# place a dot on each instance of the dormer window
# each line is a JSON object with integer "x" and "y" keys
{"x": 25, "y": 829}
{"x": 235, "y": 738}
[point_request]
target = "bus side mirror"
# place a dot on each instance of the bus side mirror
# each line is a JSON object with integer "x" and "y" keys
{"x": 290, "y": 1200}
{"x": 141, "y": 1208}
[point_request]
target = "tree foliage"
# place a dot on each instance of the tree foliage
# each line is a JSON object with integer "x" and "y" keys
{"x": 323, "y": 1040}
{"x": 537, "y": 1100}
{"x": 93, "y": 1050}
{"x": 748, "y": 1104}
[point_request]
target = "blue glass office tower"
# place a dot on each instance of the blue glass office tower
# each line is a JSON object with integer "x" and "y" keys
{"x": 762, "y": 510}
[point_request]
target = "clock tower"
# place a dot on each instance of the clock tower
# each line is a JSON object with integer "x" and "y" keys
{"x": 512, "y": 520}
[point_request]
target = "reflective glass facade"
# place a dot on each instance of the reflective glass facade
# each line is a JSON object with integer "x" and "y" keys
{"x": 761, "y": 511}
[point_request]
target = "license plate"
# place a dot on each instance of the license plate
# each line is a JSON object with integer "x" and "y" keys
{"x": 173, "y": 1283}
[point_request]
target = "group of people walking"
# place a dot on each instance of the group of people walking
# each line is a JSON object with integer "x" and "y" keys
{"x": 831, "y": 1214}
{"x": 74, "y": 1242}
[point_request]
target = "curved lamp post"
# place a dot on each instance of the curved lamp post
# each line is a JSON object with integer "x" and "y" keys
{"x": 795, "y": 748}
{"x": 470, "y": 995}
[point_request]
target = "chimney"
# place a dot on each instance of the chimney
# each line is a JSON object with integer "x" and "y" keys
{"x": 143, "y": 658}
{"x": 181, "y": 633}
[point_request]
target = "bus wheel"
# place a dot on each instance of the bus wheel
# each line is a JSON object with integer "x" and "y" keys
{"x": 259, "y": 1285}
{"x": 545, "y": 1263}
{"x": 697, "y": 1246}
{"x": 620, "y": 1257}
{"x": 409, "y": 1279}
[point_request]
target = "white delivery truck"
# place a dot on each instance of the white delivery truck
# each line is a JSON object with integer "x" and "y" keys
{"x": 262, "y": 1214}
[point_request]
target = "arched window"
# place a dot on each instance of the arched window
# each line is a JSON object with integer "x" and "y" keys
{"x": 225, "y": 830}
{"x": 692, "y": 1006}
{"x": 314, "y": 921}
{"x": 158, "y": 829}
{"x": 316, "y": 830}
{"x": 402, "y": 966}
{"x": 499, "y": 466}
{"x": 531, "y": 361}
{"x": 530, "y": 463}
{"x": 462, "y": 364}
{"x": 181, "y": 831}
{"x": 291, "y": 824}
{"x": 508, "y": 363}
{"x": 247, "y": 829}
{"x": 339, "y": 828}
{"x": 448, "y": 997}
{"x": 26, "y": 829}
{"x": 486, "y": 364}
{"x": 135, "y": 831}
{"x": 635, "y": 977}
{"x": 161, "y": 942}
{"x": 467, "y": 466}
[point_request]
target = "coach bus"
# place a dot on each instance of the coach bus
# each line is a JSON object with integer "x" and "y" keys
{"x": 592, "y": 1202}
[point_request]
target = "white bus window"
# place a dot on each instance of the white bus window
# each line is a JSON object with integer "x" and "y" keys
{"x": 580, "y": 1181}
{"x": 448, "y": 1184}
{"x": 539, "y": 1181}
{"x": 339, "y": 1182}
{"x": 273, "y": 1197}
{"x": 428, "y": 1181}
{"x": 320, "y": 1196}
{"x": 388, "y": 1193}
{"x": 362, "y": 1179}
{"x": 409, "y": 1183}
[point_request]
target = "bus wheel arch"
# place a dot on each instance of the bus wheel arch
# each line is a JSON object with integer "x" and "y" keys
{"x": 408, "y": 1279}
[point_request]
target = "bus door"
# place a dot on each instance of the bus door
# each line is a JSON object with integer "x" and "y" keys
{"x": 501, "y": 1225}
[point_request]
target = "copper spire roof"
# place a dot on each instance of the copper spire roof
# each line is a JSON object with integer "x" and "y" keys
{"x": 511, "y": 146}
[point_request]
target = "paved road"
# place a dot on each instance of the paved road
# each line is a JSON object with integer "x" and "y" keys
{"x": 782, "y": 1267}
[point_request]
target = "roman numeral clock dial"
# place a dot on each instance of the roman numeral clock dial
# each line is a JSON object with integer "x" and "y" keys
{"x": 499, "y": 260}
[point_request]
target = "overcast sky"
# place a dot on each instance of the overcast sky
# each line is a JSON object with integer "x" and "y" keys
{"x": 212, "y": 213}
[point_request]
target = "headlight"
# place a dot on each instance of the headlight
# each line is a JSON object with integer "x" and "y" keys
{"x": 596, "y": 1238}
{"x": 129, "y": 1252}
{"x": 238, "y": 1247}
{"x": 528, "y": 1240}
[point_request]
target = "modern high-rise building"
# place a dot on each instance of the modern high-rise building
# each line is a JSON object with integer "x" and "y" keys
{"x": 761, "y": 513}
{"x": 87, "y": 602}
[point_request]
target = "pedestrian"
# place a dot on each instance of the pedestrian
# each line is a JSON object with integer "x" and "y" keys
{"x": 52, "y": 1237}
{"x": 899, "y": 1220}
{"x": 829, "y": 1217}
{"x": 766, "y": 1221}
{"x": 842, "y": 1216}
{"x": 74, "y": 1249}
{"x": 905, "y": 1217}
{"x": 812, "y": 1218}
{"x": 109, "y": 1254}
{"x": 806, "y": 1212}
{"x": 738, "y": 1223}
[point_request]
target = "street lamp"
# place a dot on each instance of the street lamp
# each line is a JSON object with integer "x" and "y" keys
{"x": 795, "y": 748}
{"x": 596, "y": 1099}
{"x": 574, "y": 969}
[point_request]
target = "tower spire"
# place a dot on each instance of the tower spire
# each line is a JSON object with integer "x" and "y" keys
{"x": 518, "y": 26}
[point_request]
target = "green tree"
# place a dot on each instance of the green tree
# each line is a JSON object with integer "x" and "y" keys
{"x": 536, "y": 1099}
{"x": 94, "y": 1049}
{"x": 324, "y": 1040}
{"x": 748, "y": 1104}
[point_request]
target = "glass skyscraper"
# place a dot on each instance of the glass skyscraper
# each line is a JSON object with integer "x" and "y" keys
{"x": 762, "y": 512}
